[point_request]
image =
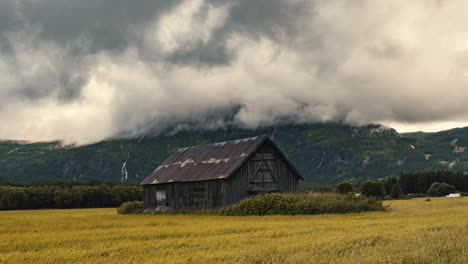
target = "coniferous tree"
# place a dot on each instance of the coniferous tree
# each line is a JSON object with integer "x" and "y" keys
{"x": 396, "y": 191}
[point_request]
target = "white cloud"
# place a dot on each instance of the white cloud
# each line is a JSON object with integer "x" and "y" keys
{"x": 191, "y": 22}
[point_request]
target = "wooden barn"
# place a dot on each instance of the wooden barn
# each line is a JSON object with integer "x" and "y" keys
{"x": 220, "y": 174}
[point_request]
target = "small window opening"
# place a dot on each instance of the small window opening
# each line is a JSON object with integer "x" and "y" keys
{"x": 161, "y": 197}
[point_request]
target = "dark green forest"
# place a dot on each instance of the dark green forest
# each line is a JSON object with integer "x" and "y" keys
{"x": 419, "y": 182}
{"x": 61, "y": 194}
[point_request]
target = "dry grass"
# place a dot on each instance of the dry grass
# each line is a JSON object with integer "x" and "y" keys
{"x": 413, "y": 231}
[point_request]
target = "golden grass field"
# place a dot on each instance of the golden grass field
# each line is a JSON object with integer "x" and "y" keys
{"x": 412, "y": 231}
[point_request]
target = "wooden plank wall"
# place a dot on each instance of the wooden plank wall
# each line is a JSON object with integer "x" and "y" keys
{"x": 189, "y": 195}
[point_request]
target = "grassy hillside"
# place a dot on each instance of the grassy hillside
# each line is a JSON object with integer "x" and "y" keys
{"x": 325, "y": 154}
{"x": 413, "y": 231}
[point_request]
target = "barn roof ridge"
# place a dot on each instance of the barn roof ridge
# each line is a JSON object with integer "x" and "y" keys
{"x": 209, "y": 161}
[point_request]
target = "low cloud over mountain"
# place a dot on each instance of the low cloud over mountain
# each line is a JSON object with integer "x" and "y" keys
{"x": 83, "y": 71}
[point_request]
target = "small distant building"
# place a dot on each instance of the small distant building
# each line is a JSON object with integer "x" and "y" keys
{"x": 220, "y": 174}
{"x": 454, "y": 195}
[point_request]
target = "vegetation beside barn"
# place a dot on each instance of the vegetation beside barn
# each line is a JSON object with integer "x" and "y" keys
{"x": 133, "y": 207}
{"x": 302, "y": 204}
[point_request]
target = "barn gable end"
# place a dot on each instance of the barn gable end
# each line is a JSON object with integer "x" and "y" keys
{"x": 266, "y": 170}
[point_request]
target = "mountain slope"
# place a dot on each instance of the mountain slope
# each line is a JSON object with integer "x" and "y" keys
{"x": 325, "y": 153}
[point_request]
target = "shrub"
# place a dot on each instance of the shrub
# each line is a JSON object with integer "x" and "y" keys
{"x": 416, "y": 195}
{"x": 373, "y": 189}
{"x": 440, "y": 189}
{"x": 433, "y": 189}
{"x": 302, "y": 204}
{"x": 344, "y": 188}
{"x": 135, "y": 207}
{"x": 396, "y": 191}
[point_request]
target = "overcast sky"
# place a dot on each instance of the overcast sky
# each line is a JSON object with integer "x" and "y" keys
{"x": 83, "y": 71}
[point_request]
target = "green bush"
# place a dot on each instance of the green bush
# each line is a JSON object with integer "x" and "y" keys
{"x": 302, "y": 204}
{"x": 373, "y": 189}
{"x": 344, "y": 188}
{"x": 440, "y": 189}
{"x": 415, "y": 195}
{"x": 135, "y": 207}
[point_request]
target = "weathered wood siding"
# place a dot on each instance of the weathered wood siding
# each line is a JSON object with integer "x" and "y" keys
{"x": 184, "y": 195}
{"x": 237, "y": 186}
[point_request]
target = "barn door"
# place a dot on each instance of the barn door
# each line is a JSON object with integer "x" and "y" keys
{"x": 263, "y": 178}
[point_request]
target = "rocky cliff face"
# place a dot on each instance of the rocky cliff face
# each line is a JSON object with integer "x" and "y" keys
{"x": 325, "y": 154}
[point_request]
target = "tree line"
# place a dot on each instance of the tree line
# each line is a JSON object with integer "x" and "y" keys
{"x": 420, "y": 182}
{"x": 64, "y": 194}
{"x": 369, "y": 188}
{"x": 435, "y": 183}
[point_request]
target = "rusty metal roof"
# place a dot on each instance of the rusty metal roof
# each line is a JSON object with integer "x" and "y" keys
{"x": 206, "y": 162}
